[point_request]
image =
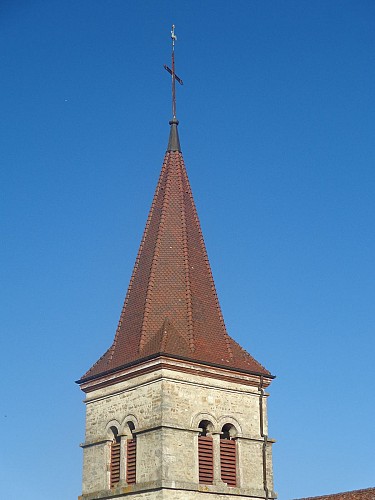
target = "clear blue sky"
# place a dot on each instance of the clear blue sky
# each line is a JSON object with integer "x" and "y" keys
{"x": 277, "y": 124}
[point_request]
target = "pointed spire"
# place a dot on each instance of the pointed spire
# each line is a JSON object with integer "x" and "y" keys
{"x": 171, "y": 307}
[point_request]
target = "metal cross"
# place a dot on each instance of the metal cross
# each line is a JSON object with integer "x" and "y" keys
{"x": 172, "y": 72}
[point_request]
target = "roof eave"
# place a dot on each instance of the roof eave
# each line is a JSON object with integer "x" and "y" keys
{"x": 172, "y": 356}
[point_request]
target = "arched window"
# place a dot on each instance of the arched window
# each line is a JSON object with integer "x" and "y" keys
{"x": 205, "y": 453}
{"x": 115, "y": 458}
{"x": 131, "y": 455}
{"x": 228, "y": 455}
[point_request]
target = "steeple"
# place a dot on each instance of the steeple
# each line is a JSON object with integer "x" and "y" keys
{"x": 171, "y": 307}
{"x": 176, "y": 409}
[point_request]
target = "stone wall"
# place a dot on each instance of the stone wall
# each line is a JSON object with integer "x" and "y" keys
{"x": 166, "y": 407}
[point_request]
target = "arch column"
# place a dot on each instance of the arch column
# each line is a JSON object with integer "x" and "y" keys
{"x": 123, "y": 459}
{"x": 216, "y": 448}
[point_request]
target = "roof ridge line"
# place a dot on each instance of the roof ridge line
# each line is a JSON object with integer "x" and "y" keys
{"x": 150, "y": 284}
{"x": 186, "y": 259}
{"x": 136, "y": 264}
{"x": 111, "y": 348}
{"x": 207, "y": 263}
{"x": 164, "y": 334}
{"x": 244, "y": 351}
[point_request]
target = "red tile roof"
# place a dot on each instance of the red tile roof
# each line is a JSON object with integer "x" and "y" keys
{"x": 367, "y": 494}
{"x": 171, "y": 306}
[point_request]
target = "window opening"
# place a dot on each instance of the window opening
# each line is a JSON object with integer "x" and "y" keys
{"x": 228, "y": 455}
{"x": 131, "y": 456}
{"x": 205, "y": 454}
{"x": 115, "y": 458}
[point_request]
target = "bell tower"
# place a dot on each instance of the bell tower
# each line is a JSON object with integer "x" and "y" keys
{"x": 175, "y": 409}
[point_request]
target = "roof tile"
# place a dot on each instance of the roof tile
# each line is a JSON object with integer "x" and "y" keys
{"x": 366, "y": 494}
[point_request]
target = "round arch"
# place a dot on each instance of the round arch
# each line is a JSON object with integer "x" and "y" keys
{"x": 126, "y": 429}
{"x": 199, "y": 417}
{"x": 112, "y": 429}
{"x": 227, "y": 419}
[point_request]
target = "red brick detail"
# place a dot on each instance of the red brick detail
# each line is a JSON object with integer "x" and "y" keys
{"x": 171, "y": 306}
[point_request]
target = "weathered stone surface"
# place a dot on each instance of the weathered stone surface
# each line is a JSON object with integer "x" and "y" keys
{"x": 166, "y": 407}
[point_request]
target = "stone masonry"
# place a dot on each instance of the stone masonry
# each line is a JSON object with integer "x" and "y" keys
{"x": 166, "y": 406}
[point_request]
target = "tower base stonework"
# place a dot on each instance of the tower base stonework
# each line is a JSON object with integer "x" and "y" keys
{"x": 166, "y": 400}
{"x": 167, "y": 493}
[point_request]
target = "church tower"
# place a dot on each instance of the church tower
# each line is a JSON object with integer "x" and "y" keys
{"x": 175, "y": 409}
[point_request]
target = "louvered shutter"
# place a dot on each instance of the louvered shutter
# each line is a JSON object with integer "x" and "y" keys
{"x": 115, "y": 463}
{"x": 228, "y": 461}
{"x": 131, "y": 453}
{"x": 205, "y": 460}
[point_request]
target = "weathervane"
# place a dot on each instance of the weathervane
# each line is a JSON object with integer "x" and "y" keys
{"x": 174, "y": 76}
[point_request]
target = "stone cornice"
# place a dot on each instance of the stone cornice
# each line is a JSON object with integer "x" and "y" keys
{"x": 129, "y": 490}
{"x": 94, "y": 442}
{"x": 165, "y": 362}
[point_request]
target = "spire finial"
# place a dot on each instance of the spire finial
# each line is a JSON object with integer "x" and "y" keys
{"x": 173, "y": 74}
